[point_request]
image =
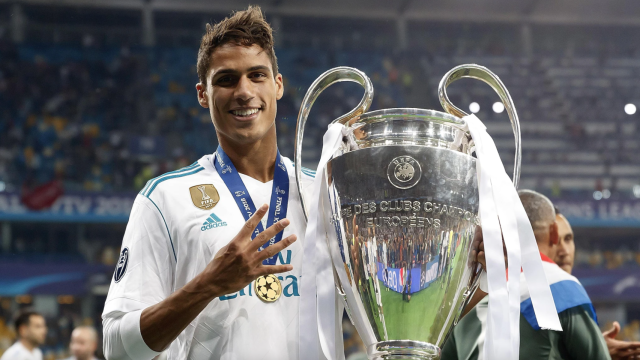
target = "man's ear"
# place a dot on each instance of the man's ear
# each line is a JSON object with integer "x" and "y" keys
{"x": 279, "y": 86}
{"x": 554, "y": 236}
{"x": 203, "y": 100}
{"x": 21, "y": 331}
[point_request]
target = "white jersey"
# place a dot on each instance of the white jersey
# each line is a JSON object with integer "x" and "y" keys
{"x": 170, "y": 239}
{"x": 18, "y": 351}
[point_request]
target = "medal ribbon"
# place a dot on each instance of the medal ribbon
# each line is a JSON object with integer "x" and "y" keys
{"x": 279, "y": 195}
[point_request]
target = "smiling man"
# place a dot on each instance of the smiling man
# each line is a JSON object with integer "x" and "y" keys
{"x": 195, "y": 279}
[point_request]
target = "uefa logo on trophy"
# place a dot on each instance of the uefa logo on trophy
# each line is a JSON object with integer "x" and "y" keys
{"x": 400, "y": 208}
{"x": 404, "y": 172}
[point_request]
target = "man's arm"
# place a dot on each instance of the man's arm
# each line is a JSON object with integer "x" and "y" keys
{"x": 581, "y": 336}
{"x": 232, "y": 268}
{"x": 142, "y": 317}
{"x": 478, "y": 257}
{"x": 449, "y": 350}
{"x": 477, "y": 296}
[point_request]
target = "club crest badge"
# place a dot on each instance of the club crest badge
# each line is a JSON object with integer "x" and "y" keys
{"x": 204, "y": 197}
{"x": 404, "y": 172}
{"x": 121, "y": 268}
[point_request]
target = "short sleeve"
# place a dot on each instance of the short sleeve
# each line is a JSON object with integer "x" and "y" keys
{"x": 144, "y": 274}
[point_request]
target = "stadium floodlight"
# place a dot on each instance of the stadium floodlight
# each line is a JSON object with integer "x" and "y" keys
{"x": 630, "y": 109}
{"x": 474, "y": 107}
{"x": 606, "y": 194}
{"x": 498, "y": 107}
{"x": 636, "y": 191}
{"x": 597, "y": 195}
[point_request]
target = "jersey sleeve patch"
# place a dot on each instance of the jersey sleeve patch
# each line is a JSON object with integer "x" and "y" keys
{"x": 121, "y": 268}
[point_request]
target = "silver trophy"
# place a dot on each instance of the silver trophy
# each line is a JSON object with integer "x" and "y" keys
{"x": 402, "y": 204}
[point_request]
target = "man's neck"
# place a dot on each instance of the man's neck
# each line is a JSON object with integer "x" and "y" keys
{"x": 257, "y": 160}
{"x": 27, "y": 344}
{"x": 547, "y": 251}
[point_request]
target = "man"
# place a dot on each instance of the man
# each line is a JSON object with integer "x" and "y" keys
{"x": 84, "y": 343}
{"x": 565, "y": 256}
{"x": 32, "y": 332}
{"x": 194, "y": 279}
{"x": 580, "y": 338}
{"x": 566, "y": 247}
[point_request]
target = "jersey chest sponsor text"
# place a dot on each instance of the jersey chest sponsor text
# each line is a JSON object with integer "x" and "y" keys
{"x": 290, "y": 283}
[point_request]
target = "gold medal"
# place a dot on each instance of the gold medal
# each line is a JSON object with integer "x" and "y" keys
{"x": 268, "y": 288}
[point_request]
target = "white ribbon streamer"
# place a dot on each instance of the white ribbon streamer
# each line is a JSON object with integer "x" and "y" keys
{"x": 502, "y": 214}
{"x": 317, "y": 289}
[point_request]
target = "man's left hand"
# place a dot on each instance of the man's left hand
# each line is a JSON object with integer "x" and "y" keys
{"x": 620, "y": 350}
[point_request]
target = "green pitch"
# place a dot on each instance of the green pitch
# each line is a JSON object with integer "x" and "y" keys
{"x": 404, "y": 320}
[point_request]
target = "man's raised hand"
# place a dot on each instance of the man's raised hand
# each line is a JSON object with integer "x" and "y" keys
{"x": 240, "y": 262}
{"x": 235, "y": 266}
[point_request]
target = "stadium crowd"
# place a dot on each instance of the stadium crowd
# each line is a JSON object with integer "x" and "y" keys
{"x": 108, "y": 118}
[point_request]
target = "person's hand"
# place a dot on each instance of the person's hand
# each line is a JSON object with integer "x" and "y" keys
{"x": 477, "y": 252}
{"x": 620, "y": 350}
{"x": 239, "y": 263}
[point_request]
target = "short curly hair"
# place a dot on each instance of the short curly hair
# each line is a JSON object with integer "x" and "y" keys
{"x": 246, "y": 28}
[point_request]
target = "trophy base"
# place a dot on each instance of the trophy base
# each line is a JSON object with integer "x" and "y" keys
{"x": 403, "y": 350}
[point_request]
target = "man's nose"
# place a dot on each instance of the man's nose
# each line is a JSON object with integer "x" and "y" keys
{"x": 244, "y": 90}
{"x": 561, "y": 249}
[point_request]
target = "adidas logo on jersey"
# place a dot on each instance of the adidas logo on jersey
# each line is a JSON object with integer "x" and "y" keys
{"x": 212, "y": 222}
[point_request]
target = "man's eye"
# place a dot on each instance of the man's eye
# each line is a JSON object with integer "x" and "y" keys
{"x": 226, "y": 80}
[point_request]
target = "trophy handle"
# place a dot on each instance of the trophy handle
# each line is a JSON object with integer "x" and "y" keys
{"x": 482, "y": 73}
{"x": 325, "y": 80}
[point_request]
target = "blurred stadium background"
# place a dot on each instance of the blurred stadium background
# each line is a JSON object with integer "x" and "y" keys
{"x": 97, "y": 97}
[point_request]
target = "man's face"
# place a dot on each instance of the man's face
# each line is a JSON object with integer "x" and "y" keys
{"x": 566, "y": 247}
{"x": 36, "y": 331}
{"x": 83, "y": 344}
{"x": 241, "y": 93}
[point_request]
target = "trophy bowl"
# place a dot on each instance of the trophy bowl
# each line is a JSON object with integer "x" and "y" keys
{"x": 400, "y": 207}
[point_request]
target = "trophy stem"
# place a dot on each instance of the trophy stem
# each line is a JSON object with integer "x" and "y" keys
{"x": 403, "y": 350}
